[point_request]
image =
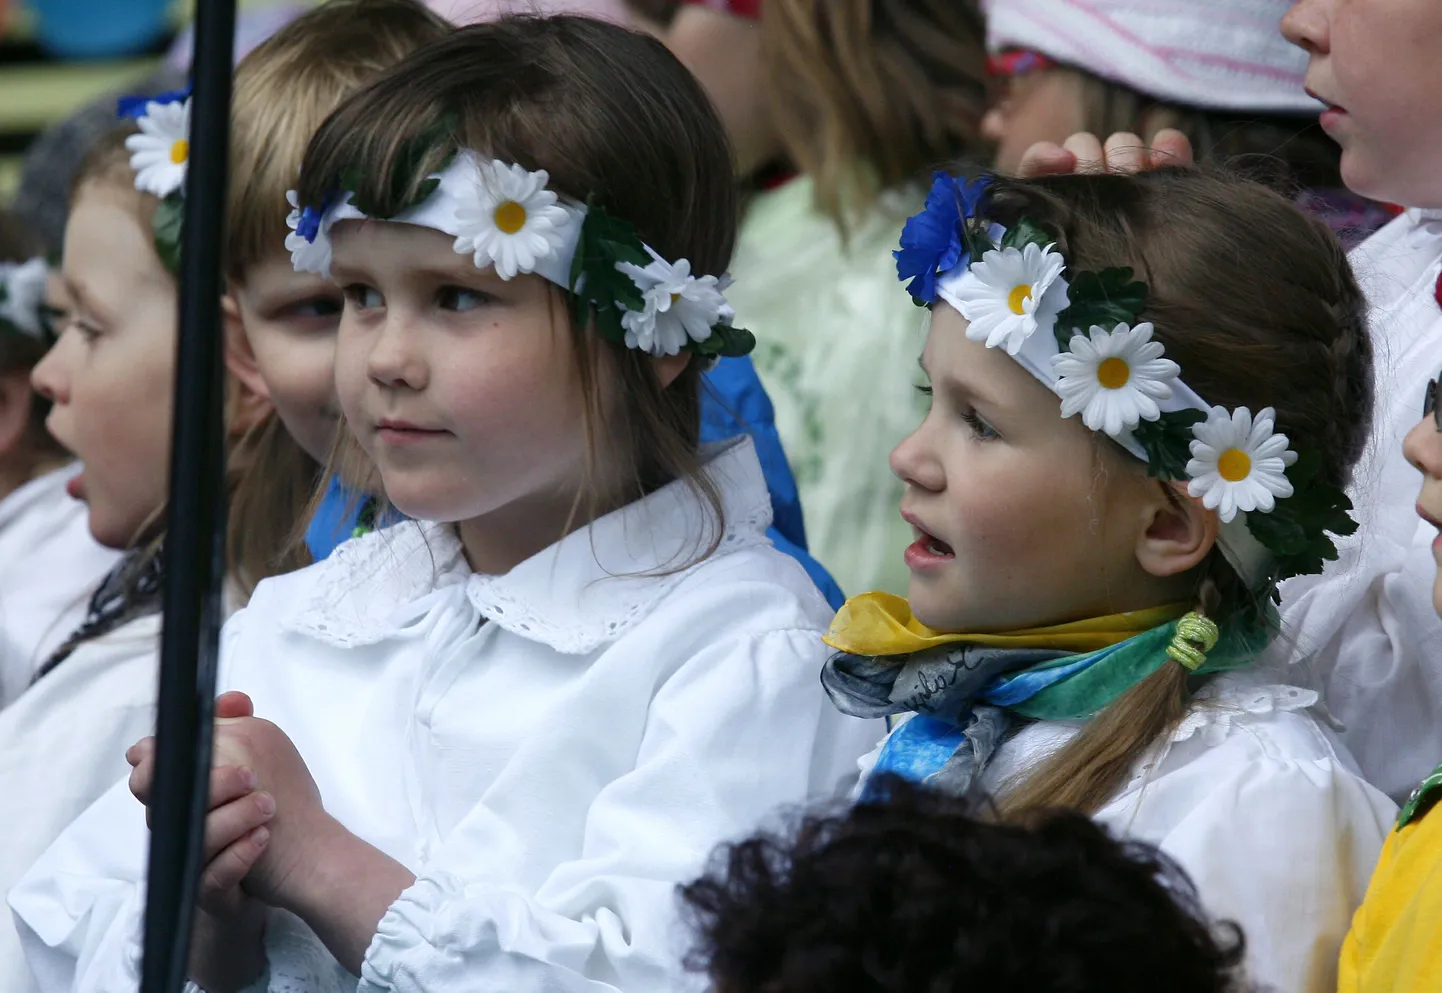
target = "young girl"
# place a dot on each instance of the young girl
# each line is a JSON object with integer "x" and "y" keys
{"x": 1368, "y": 622}
{"x": 531, "y": 719}
{"x": 1218, "y": 71}
{"x": 1392, "y": 946}
{"x": 39, "y": 524}
{"x": 1091, "y": 586}
{"x": 863, "y": 97}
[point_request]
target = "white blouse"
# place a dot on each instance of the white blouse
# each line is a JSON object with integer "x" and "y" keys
{"x": 1368, "y": 624}
{"x": 1252, "y": 796}
{"x": 49, "y": 567}
{"x": 550, "y": 751}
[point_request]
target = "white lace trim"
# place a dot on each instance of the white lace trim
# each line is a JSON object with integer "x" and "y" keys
{"x": 1218, "y": 707}
{"x": 585, "y": 591}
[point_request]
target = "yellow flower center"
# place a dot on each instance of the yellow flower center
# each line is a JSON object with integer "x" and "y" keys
{"x": 179, "y": 150}
{"x": 1018, "y": 298}
{"x": 674, "y": 298}
{"x": 1114, "y": 373}
{"x": 1235, "y": 465}
{"x": 510, "y": 217}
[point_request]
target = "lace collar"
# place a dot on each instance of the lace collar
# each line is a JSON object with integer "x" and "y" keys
{"x": 582, "y": 592}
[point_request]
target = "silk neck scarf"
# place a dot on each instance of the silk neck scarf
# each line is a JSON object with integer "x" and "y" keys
{"x": 967, "y": 690}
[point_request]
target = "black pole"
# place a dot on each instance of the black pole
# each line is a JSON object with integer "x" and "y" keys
{"x": 195, "y": 530}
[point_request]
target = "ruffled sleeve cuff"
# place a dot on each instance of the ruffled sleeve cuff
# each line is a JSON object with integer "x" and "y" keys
{"x": 400, "y": 954}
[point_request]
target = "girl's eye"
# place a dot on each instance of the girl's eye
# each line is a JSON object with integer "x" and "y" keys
{"x": 460, "y": 299}
{"x": 88, "y": 332}
{"x": 979, "y": 427}
{"x": 363, "y": 297}
{"x": 316, "y": 307}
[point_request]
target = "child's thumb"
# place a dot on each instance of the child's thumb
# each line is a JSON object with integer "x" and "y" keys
{"x": 233, "y": 704}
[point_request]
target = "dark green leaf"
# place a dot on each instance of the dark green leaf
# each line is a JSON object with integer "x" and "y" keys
{"x": 1105, "y": 299}
{"x": 726, "y": 342}
{"x": 597, "y": 285}
{"x": 1026, "y": 232}
{"x": 1168, "y": 442}
{"x": 1298, "y": 531}
{"x": 166, "y": 226}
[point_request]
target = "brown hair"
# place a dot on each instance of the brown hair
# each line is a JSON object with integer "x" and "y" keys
{"x": 610, "y": 114}
{"x": 20, "y": 352}
{"x": 869, "y": 94}
{"x": 257, "y": 532}
{"x": 1255, "y": 301}
{"x": 1293, "y": 151}
{"x": 283, "y": 91}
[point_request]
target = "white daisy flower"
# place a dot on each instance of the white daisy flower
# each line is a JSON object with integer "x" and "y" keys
{"x": 22, "y": 291}
{"x": 305, "y": 255}
{"x": 679, "y": 306}
{"x": 1238, "y": 463}
{"x": 1114, "y": 379}
{"x": 1011, "y": 293}
{"x": 160, "y": 153}
{"x": 507, "y": 218}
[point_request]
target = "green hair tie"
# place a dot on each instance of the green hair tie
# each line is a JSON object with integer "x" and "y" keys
{"x": 1193, "y": 630}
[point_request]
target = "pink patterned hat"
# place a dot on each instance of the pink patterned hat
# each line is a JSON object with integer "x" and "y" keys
{"x": 1223, "y": 54}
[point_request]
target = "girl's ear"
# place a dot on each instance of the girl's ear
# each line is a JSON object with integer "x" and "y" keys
{"x": 1178, "y": 532}
{"x": 668, "y": 367}
{"x": 239, "y": 357}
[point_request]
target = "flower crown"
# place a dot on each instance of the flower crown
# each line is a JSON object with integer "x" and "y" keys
{"x": 22, "y": 296}
{"x": 160, "y": 156}
{"x": 502, "y": 215}
{"x": 1080, "y": 334}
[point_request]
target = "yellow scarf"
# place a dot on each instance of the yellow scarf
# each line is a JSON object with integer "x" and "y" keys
{"x": 880, "y": 624}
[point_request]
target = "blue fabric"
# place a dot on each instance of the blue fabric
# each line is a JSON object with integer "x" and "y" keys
{"x": 919, "y": 748}
{"x": 733, "y": 402}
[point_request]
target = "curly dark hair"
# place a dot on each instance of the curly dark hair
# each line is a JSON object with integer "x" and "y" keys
{"x": 916, "y": 893}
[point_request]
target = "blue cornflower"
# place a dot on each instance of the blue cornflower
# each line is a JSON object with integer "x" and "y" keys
{"x": 931, "y": 243}
{"x": 135, "y": 106}
{"x": 308, "y": 224}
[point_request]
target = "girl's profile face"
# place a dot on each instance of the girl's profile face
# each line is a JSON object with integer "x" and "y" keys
{"x": 1374, "y": 62}
{"x": 1021, "y": 518}
{"x": 290, "y": 320}
{"x": 1041, "y": 105}
{"x": 111, "y": 374}
{"x": 461, "y": 386}
{"x": 1423, "y": 448}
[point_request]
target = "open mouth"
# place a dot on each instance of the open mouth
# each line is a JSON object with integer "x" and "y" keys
{"x": 927, "y": 550}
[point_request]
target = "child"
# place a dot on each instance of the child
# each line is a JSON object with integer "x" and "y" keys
{"x": 39, "y": 605}
{"x": 1368, "y": 623}
{"x": 280, "y": 336}
{"x": 1108, "y": 577}
{"x": 1396, "y": 936}
{"x": 915, "y": 891}
{"x": 530, "y": 720}
{"x": 281, "y": 323}
{"x": 1218, "y": 71}
{"x": 863, "y": 97}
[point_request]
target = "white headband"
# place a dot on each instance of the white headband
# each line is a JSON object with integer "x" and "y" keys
{"x": 500, "y": 214}
{"x": 22, "y": 292}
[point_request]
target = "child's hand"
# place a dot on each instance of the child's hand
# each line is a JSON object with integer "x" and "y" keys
{"x": 1123, "y": 152}
{"x": 235, "y": 831}
{"x": 266, "y": 815}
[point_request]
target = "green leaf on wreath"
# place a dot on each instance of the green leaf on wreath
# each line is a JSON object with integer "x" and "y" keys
{"x": 975, "y": 239}
{"x": 1298, "y": 529}
{"x": 726, "y": 342}
{"x": 597, "y": 286}
{"x": 1026, "y": 232}
{"x": 166, "y": 225}
{"x": 1105, "y": 298}
{"x": 1168, "y": 442}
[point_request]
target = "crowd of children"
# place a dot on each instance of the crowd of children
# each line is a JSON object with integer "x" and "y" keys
{"x": 533, "y": 677}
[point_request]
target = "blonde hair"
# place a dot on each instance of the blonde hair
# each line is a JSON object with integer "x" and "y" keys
{"x": 286, "y": 87}
{"x": 869, "y": 94}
